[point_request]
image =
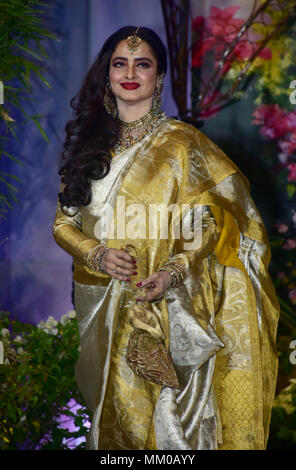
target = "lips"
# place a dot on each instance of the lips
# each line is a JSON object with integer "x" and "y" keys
{"x": 130, "y": 85}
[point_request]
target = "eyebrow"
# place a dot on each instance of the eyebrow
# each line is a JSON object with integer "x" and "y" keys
{"x": 136, "y": 59}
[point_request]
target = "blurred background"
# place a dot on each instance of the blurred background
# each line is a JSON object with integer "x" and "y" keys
{"x": 232, "y": 74}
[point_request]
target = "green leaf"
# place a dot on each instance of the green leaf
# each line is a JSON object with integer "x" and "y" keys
{"x": 35, "y": 119}
{"x": 291, "y": 189}
{"x": 19, "y": 162}
{"x": 30, "y": 51}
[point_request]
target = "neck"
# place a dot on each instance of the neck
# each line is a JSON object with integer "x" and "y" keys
{"x": 132, "y": 112}
{"x": 135, "y": 130}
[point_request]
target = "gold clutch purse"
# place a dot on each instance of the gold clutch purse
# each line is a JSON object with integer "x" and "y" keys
{"x": 146, "y": 353}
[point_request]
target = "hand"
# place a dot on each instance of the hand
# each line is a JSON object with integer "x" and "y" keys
{"x": 157, "y": 284}
{"x": 120, "y": 260}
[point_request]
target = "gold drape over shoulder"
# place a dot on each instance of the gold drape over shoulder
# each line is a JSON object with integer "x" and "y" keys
{"x": 219, "y": 325}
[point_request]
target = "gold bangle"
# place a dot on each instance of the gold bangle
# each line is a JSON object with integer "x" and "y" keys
{"x": 95, "y": 257}
{"x": 178, "y": 272}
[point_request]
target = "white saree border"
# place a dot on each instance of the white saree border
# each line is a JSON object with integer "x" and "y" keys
{"x": 189, "y": 419}
{"x": 97, "y": 307}
{"x": 101, "y": 304}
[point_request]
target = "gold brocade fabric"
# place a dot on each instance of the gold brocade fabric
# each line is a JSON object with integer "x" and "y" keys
{"x": 219, "y": 326}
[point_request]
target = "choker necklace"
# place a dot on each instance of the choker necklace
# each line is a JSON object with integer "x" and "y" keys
{"x": 133, "y": 132}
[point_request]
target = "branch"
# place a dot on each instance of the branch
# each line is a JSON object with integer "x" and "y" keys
{"x": 231, "y": 47}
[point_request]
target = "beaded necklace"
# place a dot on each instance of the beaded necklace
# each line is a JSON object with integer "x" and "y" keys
{"x": 133, "y": 132}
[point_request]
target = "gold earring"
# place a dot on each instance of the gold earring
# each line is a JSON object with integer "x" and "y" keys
{"x": 108, "y": 102}
{"x": 156, "y": 101}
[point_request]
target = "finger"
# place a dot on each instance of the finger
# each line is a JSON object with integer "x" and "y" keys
{"x": 150, "y": 281}
{"x": 125, "y": 272}
{"x": 113, "y": 271}
{"x": 128, "y": 268}
{"x": 121, "y": 254}
{"x": 116, "y": 255}
{"x": 115, "y": 268}
{"x": 120, "y": 276}
{"x": 153, "y": 294}
{"x": 125, "y": 266}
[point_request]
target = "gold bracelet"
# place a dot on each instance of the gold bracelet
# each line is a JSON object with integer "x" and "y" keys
{"x": 95, "y": 257}
{"x": 178, "y": 272}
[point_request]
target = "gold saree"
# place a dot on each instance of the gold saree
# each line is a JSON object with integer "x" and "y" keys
{"x": 219, "y": 325}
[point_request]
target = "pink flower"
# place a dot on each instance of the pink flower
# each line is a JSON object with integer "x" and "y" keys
{"x": 202, "y": 44}
{"x": 243, "y": 50}
{"x": 216, "y": 32}
{"x": 221, "y": 22}
{"x": 199, "y": 50}
{"x": 198, "y": 24}
{"x": 288, "y": 144}
{"x": 282, "y": 228}
{"x": 281, "y": 275}
{"x": 265, "y": 53}
{"x": 290, "y": 244}
{"x": 291, "y": 123}
{"x": 292, "y": 295}
{"x": 275, "y": 121}
{"x": 292, "y": 174}
{"x": 283, "y": 158}
{"x": 287, "y": 147}
{"x": 294, "y": 216}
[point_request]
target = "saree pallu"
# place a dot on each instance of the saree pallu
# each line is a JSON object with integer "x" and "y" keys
{"x": 219, "y": 325}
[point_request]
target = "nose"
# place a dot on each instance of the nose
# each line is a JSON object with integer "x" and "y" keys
{"x": 130, "y": 71}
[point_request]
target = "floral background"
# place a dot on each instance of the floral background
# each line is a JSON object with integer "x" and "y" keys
{"x": 244, "y": 99}
{"x": 266, "y": 115}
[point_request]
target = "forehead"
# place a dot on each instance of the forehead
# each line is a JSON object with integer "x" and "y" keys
{"x": 144, "y": 50}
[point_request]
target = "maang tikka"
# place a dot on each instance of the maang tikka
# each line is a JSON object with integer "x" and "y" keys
{"x": 133, "y": 41}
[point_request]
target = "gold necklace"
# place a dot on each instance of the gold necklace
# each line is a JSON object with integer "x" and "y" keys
{"x": 133, "y": 132}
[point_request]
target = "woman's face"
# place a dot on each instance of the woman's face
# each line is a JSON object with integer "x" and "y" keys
{"x": 133, "y": 76}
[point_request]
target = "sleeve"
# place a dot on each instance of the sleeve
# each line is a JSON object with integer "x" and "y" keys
{"x": 189, "y": 252}
{"x": 67, "y": 233}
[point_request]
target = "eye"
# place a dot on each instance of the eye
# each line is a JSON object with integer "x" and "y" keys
{"x": 118, "y": 64}
{"x": 144, "y": 65}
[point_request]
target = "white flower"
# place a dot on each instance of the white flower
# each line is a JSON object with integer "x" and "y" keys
{"x": 6, "y": 361}
{"x": 5, "y": 332}
{"x": 72, "y": 314}
{"x": 64, "y": 319}
{"x": 18, "y": 339}
{"x": 49, "y": 325}
{"x": 23, "y": 418}
{"x": 20, "y": 350}
{"x": 50, "y": 322}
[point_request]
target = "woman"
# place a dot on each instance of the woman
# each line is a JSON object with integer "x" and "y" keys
{"x": 176, "y": 312}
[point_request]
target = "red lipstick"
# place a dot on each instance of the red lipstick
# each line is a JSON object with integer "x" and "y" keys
{"x": 130, "y": 85}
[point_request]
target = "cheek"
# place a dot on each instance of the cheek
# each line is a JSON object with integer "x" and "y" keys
{"x": 150, "y": 79}
{"x": 114, "y": 76}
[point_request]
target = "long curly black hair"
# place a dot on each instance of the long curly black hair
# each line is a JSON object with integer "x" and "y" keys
{"x": 93, "y": 132}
